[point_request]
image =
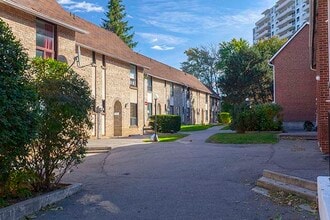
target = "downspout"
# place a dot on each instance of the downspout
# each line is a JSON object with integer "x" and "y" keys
{"x": 328, "y": 48}
{"x": 143, "y": 101}
{"x": 274, "y": 85}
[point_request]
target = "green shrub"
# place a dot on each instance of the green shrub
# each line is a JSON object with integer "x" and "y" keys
{"x": 65, "y": 105}
{"x": 166, "y": 123}
{"x": 20, "y": 183}
{"x": 18, "y": 124}
{"x": 225, "y": 117}
{"x": 264, "y": 117}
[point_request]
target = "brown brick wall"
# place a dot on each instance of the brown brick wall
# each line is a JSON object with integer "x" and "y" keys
{"x": 322, "y": 66}
{"x": 117, "y": 89}
{"x": 117, "y": 80}
{"x": 295, "y": 83}
{"x": 199, "y": 106}
{"x": 22, "y": 25}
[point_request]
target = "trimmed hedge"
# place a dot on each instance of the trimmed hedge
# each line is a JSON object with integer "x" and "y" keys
{"x": 224, "y": 117}
{"x": 166, "y": 123}
{"x": 265, "y": 117}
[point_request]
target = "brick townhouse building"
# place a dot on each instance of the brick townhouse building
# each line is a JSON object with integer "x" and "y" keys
{"x": 122, "y": 82}
{"x": 319, "y": 40}
{"x": 294, "y": 81}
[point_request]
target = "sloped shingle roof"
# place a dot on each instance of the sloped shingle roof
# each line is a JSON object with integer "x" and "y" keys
{"x": 49, "y": 10}
{"x": 102, "y": 41}
{"x": 163, "y": 71}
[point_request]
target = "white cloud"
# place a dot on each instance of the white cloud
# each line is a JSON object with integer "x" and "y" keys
{"x": 162, "y": 47}
{"x": 161, "y": 38}
{"x": 195, "y": 17}
{"x": 65, "y": 2}
{"x": 83, "y": 6}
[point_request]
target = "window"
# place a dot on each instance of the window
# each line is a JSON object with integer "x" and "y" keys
{"x": 133, "y": 115}
{"x": 206, "y": 99}
{"x": 171, "y": 110}
{"x": 149, "y": 109}
{"x": 133, "y": 76}
{"x": 103, "y": 105}
{"x": 103, "y": 61}
{"x": 298, "y": 19}
{"x": 93, "y": 57}
{"x": 297, "y": 10}
{"x": 149, "y": 82}
{"x": 188, "y": 93}
{"x": 207, "y": 115}
{"x": 45, "y": 40}
{"x": 172, "y": 89}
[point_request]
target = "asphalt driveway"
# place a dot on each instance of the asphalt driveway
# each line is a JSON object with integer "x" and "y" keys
{"x": 188, "y": 179}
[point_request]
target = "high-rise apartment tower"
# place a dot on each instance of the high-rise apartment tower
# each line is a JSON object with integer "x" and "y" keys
{"x": 282, "y": 20}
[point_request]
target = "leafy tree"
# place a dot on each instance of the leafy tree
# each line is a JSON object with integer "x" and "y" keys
{"x": 238, "y": 62}
{"x": 246, "y": 73}
{"x": 17, "y": 104}
{"x": 115, "y": 22}
{"x": 228, "y": 48}
{"x": 65, "y": 102}
{"x": 202, "y": 63}
{"x": 267, "y": 49}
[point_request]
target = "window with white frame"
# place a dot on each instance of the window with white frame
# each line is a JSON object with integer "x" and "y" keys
{"x": 172, "y": 89}
{"x": 133, "y": 76}
{"x": 149, "y": 83}
{"x": 149, "y": 109}
{"x": 133, "y": 114}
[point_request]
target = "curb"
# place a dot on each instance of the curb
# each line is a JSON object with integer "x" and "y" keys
{"x": 324, "y": 197}
{"x": 27, "y": 207}
{"x": 298, "y": 136}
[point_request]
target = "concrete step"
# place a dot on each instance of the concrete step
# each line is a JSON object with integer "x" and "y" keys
{"x": 296, "y": 181}
{"x": 96, "y": 151}
{"x": 276, "y": 185}
{"x": 98, "y": 148}
{"x": 298, "y": 136}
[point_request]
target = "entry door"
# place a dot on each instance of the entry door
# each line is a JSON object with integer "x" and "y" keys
{"x": 118, "y": 128}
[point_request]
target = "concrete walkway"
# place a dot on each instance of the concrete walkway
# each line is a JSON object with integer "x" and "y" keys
{"x": 187, "y": 179}
{"x": 117, "y": 142}
{"x": 199, "y": 137}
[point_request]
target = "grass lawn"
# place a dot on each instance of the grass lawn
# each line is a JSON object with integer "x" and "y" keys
{"x": 188, "y": 128}
{"x": 247, "y": 138}
{"x": 168, "y": 137}
{"x": 227, "y": 127}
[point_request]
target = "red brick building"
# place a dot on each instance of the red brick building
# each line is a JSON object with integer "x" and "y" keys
{"x": 320, "y": 62}
{"x": 294, "y": 81}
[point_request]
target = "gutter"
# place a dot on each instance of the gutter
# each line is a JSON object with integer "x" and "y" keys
{"x": 110, "y": 55}
{"x": 40, "y": 15}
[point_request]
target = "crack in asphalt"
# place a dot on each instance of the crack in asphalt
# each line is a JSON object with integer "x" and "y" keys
{"x": 103, "y": 164}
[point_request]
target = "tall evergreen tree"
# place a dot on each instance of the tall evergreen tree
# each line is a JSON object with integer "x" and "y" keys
{"x": 115, "y": 22}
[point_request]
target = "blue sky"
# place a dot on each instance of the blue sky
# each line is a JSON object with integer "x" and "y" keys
{"x": 164, "y": 29}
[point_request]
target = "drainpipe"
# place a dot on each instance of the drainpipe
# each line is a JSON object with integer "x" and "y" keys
{"x": 143, "y": 101}
{"x": 274, "y": 85}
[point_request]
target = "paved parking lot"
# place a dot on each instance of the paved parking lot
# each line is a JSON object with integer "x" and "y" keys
{"x": 188, "y": 179}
